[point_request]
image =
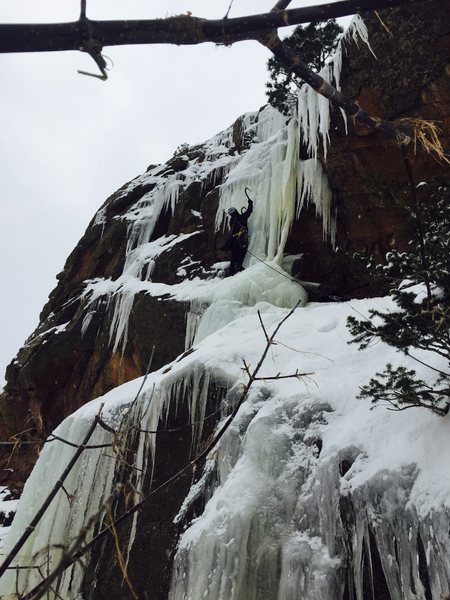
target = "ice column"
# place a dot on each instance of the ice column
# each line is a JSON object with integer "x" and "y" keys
{"x": 268, "y": 169}
{"x": 92, "y": 481}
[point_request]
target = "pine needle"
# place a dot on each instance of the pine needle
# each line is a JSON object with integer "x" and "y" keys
{"x": 383, "y": 24}
{"x": 426, "y": 135}
{"x": 120, "y": 558}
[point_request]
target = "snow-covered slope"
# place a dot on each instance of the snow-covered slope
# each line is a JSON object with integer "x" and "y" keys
{"x": 308, "y": 491}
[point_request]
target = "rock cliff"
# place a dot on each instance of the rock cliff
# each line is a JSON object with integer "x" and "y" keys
{"x": 139, "y": 283}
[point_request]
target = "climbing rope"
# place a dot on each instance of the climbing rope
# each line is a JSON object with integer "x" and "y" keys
{"x": 289, "y": 277}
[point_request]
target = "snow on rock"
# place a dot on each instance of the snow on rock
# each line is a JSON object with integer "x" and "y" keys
{"x": 278, "y": 181}
{"x": 309, "y": 494}
{"x": 308, "y": 479}
{"x": 310, "y": 474}
{"x": 8, "y": 507}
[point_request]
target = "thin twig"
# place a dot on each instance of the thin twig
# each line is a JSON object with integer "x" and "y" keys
{"x": 177, "y": 429}
{"x": 246, "y": 368}
{"x": 58, "y": 485}
{"x": 84, "y": 446}
{"x": 383, "y": 24}
{"x": 426, "y": 364}
{"x": 106, "y": 427}
{"x": 143, "y": 381}
{"x": 229, "y": 8}
{"x": 262, "y": 325}
{"x": 120, "y": 558}
{"x": 294, "y": 376}
{"x": 83, "y": 10}
{"x": 52, "y": 438}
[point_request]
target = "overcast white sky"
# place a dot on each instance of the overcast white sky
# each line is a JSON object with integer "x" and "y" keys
{"x": 68, "y": 141}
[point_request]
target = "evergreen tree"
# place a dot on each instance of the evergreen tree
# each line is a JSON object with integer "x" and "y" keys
{"x": 313, "y": 44}
{"x": 421, "y": 291}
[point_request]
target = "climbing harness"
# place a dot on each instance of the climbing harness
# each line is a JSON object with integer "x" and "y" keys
{"x": 242, "y": 232}
{"x": 241, "y": 238}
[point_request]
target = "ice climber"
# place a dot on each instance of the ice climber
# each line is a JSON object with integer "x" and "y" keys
{"x": 237, "y": 243}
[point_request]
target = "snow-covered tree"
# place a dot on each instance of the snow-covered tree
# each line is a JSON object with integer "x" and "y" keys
{"x": 421, "y": 291}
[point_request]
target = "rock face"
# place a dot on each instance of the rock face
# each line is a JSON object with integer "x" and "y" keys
{"x": 120, "y": 298}
{"x": 408, "y": 79}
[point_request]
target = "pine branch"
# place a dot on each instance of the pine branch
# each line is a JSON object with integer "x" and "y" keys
{"x": 293, "y": 63}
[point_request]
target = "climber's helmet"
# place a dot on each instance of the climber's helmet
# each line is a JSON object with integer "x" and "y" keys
{"x": 232, "y": 212}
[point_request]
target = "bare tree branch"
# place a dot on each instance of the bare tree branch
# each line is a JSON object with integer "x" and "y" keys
{"x": 83, "y": 9}
{"x": 281, "y": 5}
{"x": 79, "y": 446}
{"x": 295, "y": 375}
{"x": 91, "y": 36}
{"x": 263, "y": 328}
{"x": 86, "y": 34}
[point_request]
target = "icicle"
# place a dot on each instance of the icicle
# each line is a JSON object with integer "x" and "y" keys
{"x": 196, "y": 309}
{"x": 314, "y": 187}
{"x": 123, "y": 304}
{"x": 313, "y": 108}
{"x": 314, "y": 116}
{"x": 86, "y": 322}
{"x": 232, "y": 551}
{"x": 149, "y": 209}
{"x": 357, "y": 29}
{"x": 93, "y": 478}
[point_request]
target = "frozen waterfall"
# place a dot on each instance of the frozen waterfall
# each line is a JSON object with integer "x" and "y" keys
{"x": 309, "y": 494}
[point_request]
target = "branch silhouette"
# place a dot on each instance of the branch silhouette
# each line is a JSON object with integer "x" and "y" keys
{"x": 181, "y": 30}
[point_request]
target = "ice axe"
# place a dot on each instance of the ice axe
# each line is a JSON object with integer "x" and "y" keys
{"x": 243, "y": 209}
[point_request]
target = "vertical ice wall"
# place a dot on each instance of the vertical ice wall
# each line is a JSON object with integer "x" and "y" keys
{"x": 245, "y": 546}
{"x": 279, "y": 180}
{"x": 280, "y": 183}
{"x": 273, "y": 527}
{"x": 268, "y": 169}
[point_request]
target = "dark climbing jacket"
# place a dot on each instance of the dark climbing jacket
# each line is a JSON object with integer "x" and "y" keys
{"x": 239, "y": 229}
